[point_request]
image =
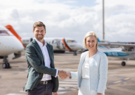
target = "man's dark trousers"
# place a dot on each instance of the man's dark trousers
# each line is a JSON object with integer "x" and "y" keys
{"x": 41, "y": 89}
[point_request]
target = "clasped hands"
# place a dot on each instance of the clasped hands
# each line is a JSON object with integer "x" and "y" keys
{"x": 63, "y": 74}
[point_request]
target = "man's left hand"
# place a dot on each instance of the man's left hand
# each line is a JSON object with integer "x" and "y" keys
{"x": 55, "y": 93}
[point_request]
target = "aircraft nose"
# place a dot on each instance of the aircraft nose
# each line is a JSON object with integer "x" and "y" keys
{"x": 76, "y": 47}
{"x": 18, "y": 46}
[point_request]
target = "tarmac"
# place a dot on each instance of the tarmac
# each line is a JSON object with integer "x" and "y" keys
{"x": 121, "y": 79}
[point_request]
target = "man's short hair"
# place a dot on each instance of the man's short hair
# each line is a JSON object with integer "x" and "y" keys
{"x": 38, "y": 24}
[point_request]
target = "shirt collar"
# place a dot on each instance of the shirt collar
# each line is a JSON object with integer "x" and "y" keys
{"x": 39, "y": 43}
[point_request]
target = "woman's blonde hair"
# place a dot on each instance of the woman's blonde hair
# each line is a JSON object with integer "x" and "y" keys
{"x": 91, "y": 33}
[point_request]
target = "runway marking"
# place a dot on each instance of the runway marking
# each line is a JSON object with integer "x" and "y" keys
{"x": 126, "y": 78}
{"x": 22, "y": 91}
{"x": 15, "y": 73}
{"x": 14, "y": 94}
{"x": 62, "y": 92}
{"x": 117, "y": 81}
{"x": 125, "y": 72}
{"x": 67, "y": 85}
{"x": 123, "y": 89}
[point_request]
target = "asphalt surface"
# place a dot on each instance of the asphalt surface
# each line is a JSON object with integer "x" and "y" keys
{"x": 121, "y": 80}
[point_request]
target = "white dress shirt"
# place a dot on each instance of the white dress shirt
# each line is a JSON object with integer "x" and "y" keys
{"x": 85, "y": 68}
{"x": 46, "y": 60}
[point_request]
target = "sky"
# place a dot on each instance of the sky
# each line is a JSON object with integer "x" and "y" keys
{"x": 71, "y": 18}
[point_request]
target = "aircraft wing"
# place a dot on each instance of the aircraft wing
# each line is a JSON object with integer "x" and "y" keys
{"x": 117, "y": 44}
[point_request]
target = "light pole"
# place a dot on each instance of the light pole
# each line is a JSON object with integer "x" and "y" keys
{"x": 103, "y": 19}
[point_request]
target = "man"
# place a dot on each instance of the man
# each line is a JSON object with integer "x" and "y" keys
{"x": 42, "y": 76}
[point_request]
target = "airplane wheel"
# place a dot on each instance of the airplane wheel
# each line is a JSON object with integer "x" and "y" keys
{"x": 123, "y": 63}
{"x": 6, "y": 66}
{"x": 75, "y": 53}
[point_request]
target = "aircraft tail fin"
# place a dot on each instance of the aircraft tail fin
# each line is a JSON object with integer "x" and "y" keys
{"x": 10, "y": 28}
{"x": 98, "y": 40}
{"x": 100, "y": 45}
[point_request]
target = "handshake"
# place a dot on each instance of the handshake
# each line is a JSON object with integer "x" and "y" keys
{"x": 63, "y": 74}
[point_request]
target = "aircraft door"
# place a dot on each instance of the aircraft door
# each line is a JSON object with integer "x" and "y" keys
{"x": 57, "y": 43}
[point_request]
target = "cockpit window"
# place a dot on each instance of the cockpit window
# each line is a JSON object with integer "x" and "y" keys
{"x": 71, "y": 41}
{"x": 3, "y": 33}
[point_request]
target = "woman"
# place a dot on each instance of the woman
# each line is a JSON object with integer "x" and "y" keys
{"x": 92, "y": 70}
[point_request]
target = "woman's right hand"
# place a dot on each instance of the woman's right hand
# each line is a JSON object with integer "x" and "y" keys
{"x": 69, "y": 74}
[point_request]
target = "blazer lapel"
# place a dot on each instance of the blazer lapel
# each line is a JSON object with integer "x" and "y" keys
{"x": 50, "y": 55}
{"x": 38, "y": 48}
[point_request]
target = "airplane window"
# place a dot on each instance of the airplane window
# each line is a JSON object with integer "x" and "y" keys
{"x": 71, "y": 41}
{"x": 3, "y": 33}
{"x": 24, "y": 40}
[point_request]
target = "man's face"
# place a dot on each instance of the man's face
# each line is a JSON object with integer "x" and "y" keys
{"x": 39, "y": 33}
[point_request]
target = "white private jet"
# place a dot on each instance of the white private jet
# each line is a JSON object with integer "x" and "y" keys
{"x": 60, "y": 45}
{"x": 10, "y": 47}
{"x": 127, "y": 51}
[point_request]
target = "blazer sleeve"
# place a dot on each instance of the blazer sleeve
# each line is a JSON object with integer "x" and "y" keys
{"x": 33, "y": 60}
{"x": 102, "y": 73}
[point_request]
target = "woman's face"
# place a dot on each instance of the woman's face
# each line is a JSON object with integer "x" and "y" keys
{"x": 91, "y": 43}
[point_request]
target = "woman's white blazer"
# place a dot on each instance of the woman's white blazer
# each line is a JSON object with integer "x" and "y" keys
{"x": 98, "y": 68}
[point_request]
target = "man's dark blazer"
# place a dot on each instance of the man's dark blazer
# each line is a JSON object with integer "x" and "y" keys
{"x": 36, "y": 66}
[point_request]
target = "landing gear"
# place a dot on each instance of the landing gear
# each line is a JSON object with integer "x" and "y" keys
{"x": 123, "y": 63}
{"x": 5, "y": 64}
{"x": 75, "y": 53}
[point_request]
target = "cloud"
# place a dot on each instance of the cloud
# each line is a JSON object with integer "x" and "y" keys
{"x": 63, "y": 19}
